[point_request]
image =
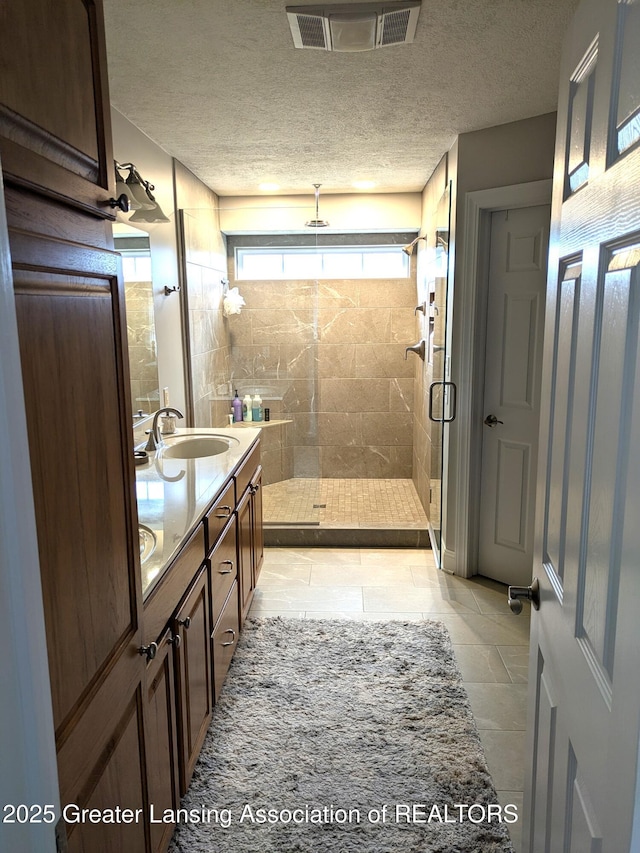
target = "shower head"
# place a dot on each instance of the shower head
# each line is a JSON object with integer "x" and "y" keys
{"x": 409, "y": 249}
{"x": 317, "y": 222}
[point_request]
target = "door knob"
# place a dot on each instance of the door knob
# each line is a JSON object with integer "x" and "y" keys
{"x": 518, "y": 594}
{"x": 491, "y": 421}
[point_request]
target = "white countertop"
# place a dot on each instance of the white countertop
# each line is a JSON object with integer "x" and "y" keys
{"x": 173, "y": 494}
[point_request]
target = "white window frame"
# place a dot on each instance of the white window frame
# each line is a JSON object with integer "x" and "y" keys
{"x": 313, "y": 252}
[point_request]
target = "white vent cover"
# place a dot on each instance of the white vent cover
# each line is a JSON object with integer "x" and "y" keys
{"x": 349, "y": 28}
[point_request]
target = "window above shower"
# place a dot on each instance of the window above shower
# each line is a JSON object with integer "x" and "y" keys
{"x": 259, "y": 263}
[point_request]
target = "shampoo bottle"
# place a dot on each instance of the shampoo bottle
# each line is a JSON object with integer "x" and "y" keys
{"x": 236, "y": 405}
{"x": 247, "y": 414}
{"x": 256, "y": 408}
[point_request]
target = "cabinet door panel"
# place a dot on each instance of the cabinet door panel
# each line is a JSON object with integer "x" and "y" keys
{"x": 72, "y": 375}
{"x": 161, "y": 733}
{"x": 257, "y": 524}
{"x": 245, "y": 562}
{"x": 116, "y": 780}
{"x": 192, "y": 625}
{"x": 54, "y": 105}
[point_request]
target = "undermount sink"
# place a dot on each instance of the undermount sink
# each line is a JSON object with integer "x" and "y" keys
{"x": 148, "y": 542}
{"x": 197, "y": 446}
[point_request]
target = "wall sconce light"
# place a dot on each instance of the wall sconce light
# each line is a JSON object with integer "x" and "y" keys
{"x": 139, "y": 192}
{"x": 409, "y": 249}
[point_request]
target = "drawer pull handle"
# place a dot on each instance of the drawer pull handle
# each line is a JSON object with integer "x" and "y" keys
{"x": 150, "y": 651}
{"x": 227, "y": 512}
{"x": 175, "y": 640}
{"x": 226, "y": 571}
{"x": 186, "y": 622}
{"x": 233, "y": 637}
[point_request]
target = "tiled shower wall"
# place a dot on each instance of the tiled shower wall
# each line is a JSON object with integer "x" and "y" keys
{"x": 329, "y": 356}
{"x": 143, "y": 359}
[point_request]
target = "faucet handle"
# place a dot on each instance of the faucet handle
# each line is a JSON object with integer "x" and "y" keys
{"x": 151, "y": 444}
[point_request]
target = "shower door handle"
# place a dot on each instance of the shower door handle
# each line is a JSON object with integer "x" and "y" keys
{"x": 453, "y": 401}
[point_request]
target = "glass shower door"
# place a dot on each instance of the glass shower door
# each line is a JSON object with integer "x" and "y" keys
{"x": 441, "y": 391}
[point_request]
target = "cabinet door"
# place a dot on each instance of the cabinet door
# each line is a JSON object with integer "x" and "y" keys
{"x": 193, "y": 625}
{"x": 55, "y": 128}
{"x": 161, "y": 740}
{"x": 257, "y": 523}
{"x": 55, "y": 152}
{"x": 224, "y": 638}
{"x": 245, "y": 561}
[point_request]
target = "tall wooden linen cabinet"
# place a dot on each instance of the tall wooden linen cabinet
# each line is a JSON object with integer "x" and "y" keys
{"x": 55, "y": 149}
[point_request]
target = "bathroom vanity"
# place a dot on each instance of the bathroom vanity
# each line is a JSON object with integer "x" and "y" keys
{"x": 205, "y": 517}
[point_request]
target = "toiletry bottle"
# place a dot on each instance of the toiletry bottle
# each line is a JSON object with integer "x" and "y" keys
{"x": 256, "y": 408}
{"x": 247, "y": 414}
{"x": 236, "y": 405}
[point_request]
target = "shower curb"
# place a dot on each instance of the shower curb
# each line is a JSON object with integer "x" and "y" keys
{"x": 356, "y": 537}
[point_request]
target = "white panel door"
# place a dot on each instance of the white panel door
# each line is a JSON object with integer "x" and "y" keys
{"x": 582, "y": 794}
{"x": 517, "y": 280}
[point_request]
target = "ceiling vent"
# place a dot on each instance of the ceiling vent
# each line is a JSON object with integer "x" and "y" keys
{"x": 353, "y": 27}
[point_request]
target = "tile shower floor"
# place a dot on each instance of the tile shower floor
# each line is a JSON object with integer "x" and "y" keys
{"x": 344, "y": 503}
{"x": 490, "y": 643}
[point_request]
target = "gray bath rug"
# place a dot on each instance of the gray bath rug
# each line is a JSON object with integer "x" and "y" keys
{"x": 342, "y": 737}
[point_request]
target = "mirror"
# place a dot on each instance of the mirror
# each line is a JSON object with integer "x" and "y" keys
{"x": 133, "y": 245}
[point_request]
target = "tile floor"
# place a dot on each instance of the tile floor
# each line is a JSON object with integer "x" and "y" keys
{"x": 490, "y": 643}
{"x": 342, "y": 502}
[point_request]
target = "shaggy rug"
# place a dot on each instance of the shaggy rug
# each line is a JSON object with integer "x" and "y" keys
{"x": 342, "y": 737}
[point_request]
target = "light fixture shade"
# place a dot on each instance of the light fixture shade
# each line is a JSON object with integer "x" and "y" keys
{"x": 122, "y": 188}
{"x": 153, "y": 215}
{"x": 137, "y": 190}
{"x": 353, "y": 32}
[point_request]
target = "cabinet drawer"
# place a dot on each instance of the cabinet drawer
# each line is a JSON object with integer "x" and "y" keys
{"x": 224, "y": 639}
{"x": 219, "y": 514}
{"x": 244, "y": 474}
{"x": 224, "y": 570}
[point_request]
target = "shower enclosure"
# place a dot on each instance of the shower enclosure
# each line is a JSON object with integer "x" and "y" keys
{"x": 326, "y": 352}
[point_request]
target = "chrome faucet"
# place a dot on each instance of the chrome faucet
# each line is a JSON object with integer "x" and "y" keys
{"x": 155, "y": 439}
{"x": 418, "y": 348}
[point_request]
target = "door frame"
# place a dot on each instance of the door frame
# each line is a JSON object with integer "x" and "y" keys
{"x": 472, "y": 291}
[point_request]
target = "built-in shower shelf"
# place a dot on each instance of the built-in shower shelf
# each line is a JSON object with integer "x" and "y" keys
{"x": 260, "y": 424}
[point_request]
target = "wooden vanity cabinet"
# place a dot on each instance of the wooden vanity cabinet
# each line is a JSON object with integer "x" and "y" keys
{"x": 192, "y": 629}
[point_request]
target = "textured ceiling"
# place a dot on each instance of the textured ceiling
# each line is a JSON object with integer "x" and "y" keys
{"x": 218, "y": 84}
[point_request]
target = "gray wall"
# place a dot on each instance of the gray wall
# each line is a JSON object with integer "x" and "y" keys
{"x": 516, "y": 153}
